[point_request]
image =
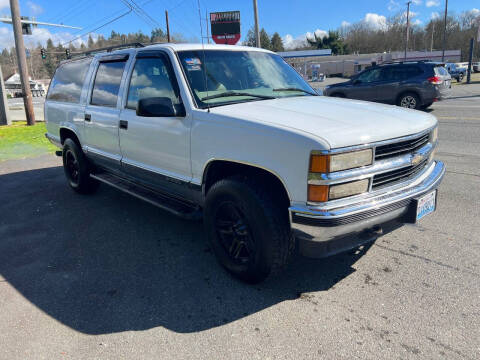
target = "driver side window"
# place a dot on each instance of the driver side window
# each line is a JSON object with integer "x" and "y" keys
{"x": 151, "y": 78}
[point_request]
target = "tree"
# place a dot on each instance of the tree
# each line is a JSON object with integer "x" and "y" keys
{"x": 331, "y": 41}
{"x": 277, "y": 43}
{"x": 90, "y": 42}
{"x": 158, "y": 35}
{"x": 265, "y": 42}
{"x": 250, "y": 40}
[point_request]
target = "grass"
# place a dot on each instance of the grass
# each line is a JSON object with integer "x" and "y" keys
{"x": 475, "y": 79}
{"x": 19, "y": 141}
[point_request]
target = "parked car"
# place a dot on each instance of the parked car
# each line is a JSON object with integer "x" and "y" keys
{"x": 413, "y": 85}
{"x": 476, "y": 66}
{"x": 456, "y": 72}
{"x": 235, "y": 136}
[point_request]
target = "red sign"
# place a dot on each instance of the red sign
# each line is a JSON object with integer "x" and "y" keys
{"x": 225, "y": 27}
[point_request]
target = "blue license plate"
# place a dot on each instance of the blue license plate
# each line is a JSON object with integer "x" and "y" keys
{"x": 426, "y": 204}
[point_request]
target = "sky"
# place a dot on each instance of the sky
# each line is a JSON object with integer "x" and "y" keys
{"x": 293, "y": 20}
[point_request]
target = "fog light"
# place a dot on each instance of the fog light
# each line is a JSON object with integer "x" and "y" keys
{"x": 348, "y": 189}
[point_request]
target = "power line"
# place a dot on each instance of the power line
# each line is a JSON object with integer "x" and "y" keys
{"x": 98, "y": 28}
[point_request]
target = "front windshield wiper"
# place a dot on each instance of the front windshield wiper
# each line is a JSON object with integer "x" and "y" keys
{"x": 236, "y": 93}
{"x": 295, "y": 89}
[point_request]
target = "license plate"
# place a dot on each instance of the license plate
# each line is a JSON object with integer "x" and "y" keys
{"x": 426, "y": 205}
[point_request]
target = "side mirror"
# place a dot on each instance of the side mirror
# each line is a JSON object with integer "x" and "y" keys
{"x": 159, "y": 107}
{"x": 356, "y": 81}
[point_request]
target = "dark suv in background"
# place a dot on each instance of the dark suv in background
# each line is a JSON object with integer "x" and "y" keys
{"x": 413, "y": 85}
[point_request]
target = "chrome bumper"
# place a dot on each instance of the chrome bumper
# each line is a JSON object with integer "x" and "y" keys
{"x": 322, "y": 231}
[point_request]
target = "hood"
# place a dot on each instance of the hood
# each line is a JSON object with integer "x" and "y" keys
{"x": 339, "y": 122}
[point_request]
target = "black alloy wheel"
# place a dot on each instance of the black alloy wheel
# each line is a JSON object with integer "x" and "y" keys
{"x": 234, "y": 233}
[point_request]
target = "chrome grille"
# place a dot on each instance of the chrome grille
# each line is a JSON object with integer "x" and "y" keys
{"x": 399, "y": 148}
{"x": 398, "y": 175}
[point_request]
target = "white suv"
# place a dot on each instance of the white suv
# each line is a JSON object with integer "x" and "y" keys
{"x": 234, "y": 135}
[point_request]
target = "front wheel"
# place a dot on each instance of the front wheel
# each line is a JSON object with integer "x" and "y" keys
{"x": 77, "y": 169}
{"x": 409, "y": 101}
{"x": 460, "y": 78}
{"x": 248, "y": 231}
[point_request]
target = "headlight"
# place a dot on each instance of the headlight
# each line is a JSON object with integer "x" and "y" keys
{"x": 348, "y": 189}
{"x": 321, "y": 163}
{"x": 322, "y": 193}
{"x": 434, "y": 135}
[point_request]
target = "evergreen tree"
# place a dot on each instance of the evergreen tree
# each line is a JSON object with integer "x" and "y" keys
{"x": 265, "y": 42}
{"x": 277, "y": 43}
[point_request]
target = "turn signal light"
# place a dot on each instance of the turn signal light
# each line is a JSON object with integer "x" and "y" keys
{"x": 318, "y": 193}
{"x": 319, "y": 163}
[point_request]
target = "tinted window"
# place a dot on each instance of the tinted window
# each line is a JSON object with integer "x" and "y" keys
{"x": 370, "y": 75}
{"x": 68, "y": 81}
{"x": 412, "y": 71}
{"x": 151, "y": 78}
{"x": 398, "y": 73}
{"x": 392, "y": 73}
{"x": 107, "y": 83}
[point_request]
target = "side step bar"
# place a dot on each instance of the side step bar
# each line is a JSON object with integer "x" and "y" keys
{"x": 163, "y": 201}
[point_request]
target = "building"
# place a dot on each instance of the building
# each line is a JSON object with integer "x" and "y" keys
{"x": 13, "y": 86}
{"x": 310, "y": 65}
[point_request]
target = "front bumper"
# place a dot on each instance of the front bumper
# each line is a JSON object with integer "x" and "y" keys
{"x": 323, "y": 232}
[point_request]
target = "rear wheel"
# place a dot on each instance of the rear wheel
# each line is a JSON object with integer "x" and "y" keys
{"x": 248, "y": 230}
{"x": 409, "y": 101}
{"x": 77, "y": 168}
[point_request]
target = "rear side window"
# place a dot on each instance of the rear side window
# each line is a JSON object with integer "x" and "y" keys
{"x": 67, "y": 83}
{"x": 412, "y": 71}
{"x": 107, "y": 83}
{"x": 440, "y": 70}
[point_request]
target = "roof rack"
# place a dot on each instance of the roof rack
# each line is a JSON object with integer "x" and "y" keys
{"x": 404, "y": 61}
{"x": 111, "y": 48}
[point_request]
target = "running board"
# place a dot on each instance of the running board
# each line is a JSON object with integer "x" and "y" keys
{"x": 165, "y": 202}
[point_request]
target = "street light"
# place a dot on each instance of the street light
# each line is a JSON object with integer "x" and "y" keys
{"x": 408, "y": 29}
{"x": 444, "y": 31}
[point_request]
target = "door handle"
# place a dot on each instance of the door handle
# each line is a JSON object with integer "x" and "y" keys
{"x": 88, "y": 117}
{"x": 123, "y": 124}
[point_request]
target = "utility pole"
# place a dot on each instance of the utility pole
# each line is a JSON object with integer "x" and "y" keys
{"x": 408, "y": 29}
{"x": 206, "y": 22}
{"x": 433, "y": 31}
{"x": 257, "y": 31}
{"x": 470, "y": 59}
{"x": 4, "y": 114}
{"x": 22, "y": 62}
{"x": 168, "y": 26}
{"x": 444, "y": 31}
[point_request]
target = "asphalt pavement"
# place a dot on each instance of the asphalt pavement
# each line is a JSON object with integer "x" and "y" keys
{"x": 108, "y": 276}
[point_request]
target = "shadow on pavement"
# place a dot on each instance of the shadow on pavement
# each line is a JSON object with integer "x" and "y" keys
{"x": 109, "y": 262}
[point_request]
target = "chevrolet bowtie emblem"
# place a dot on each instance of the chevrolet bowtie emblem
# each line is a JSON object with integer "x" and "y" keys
{"x": 417, "y": 159}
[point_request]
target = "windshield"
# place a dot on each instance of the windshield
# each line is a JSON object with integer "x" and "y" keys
{"x": 239, "y": 76}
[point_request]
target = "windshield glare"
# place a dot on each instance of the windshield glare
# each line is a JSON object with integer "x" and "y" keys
{"x": 252, "y": 72}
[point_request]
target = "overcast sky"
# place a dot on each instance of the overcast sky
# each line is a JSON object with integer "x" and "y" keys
{"x": 292, "y": 19}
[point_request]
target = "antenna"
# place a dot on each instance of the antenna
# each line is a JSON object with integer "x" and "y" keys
{"x": 203, "y": 52}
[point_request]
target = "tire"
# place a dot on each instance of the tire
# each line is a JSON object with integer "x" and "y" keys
{"x": 77, "y": 168}
{"x": 460, "y": 78}
{"x": 248, "y": 231}
{"x": 338, "y": 95}
{"x": 409, "y": 100}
